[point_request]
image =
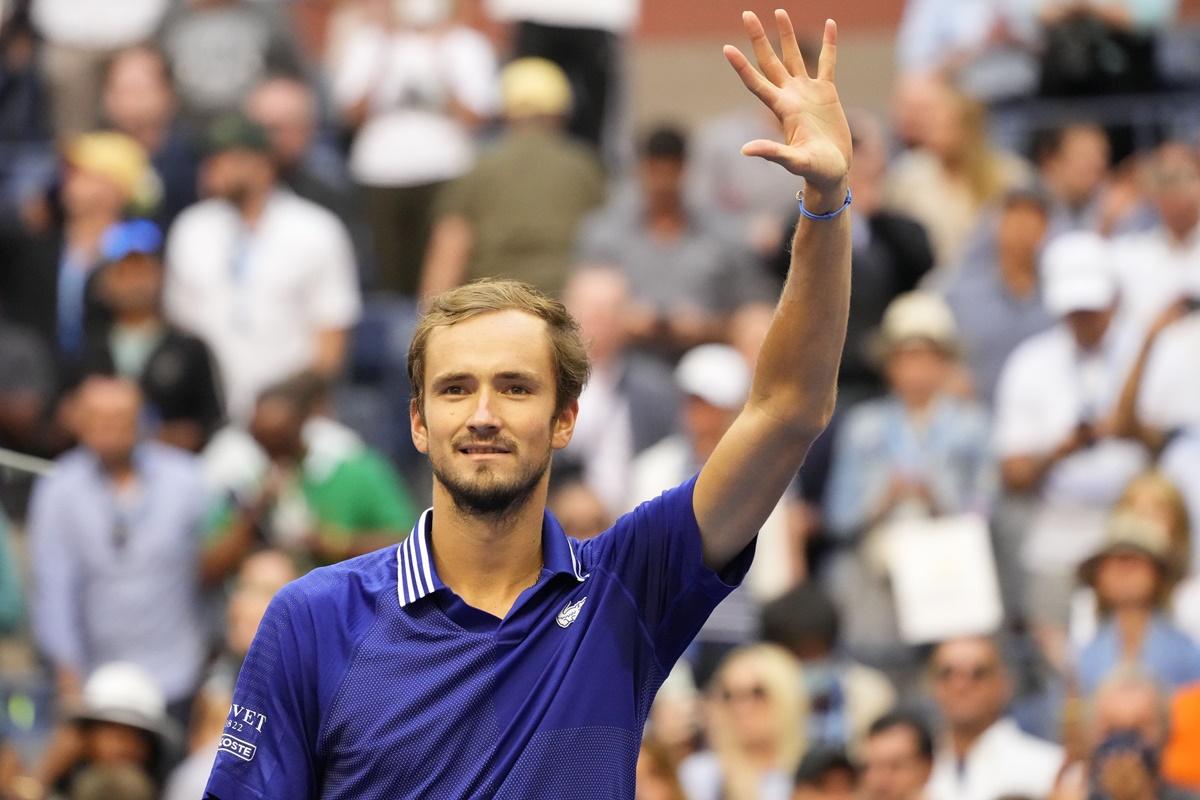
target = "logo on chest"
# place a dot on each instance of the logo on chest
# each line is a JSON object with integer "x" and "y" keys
{"x": 570, "y": 612}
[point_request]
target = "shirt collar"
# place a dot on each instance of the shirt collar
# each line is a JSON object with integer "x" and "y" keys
{"x": 417, "y": 577}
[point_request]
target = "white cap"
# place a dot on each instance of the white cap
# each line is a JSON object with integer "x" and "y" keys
{"x": 716, "y": 373}
{"x": 126, "y": 694}
{"x": 920, "y": 316}
{"x": 1078, "y": 274}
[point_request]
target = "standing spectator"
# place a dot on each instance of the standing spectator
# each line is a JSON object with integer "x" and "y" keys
{"x": 221, "y": 49}
{"x": 28, "y": 386}
{"x": 825, "y": 774}
{"x": 997, "y": 303}
{"x": 413, "y": 83}
{"x": 756, "y": 729}
{"x": 265, "y": 278}
{"x": 79, "y": 36}
{"x": 175, "y": 371}
{"x": 516, "y": 213}
{"x": 686, "y": 275}
{"x": 897, "y": 759}
{"x": 114, "y": 536}
{"x": 1053, "y": 427}
{"x": 26, "y": 136}
{"x": 982, "y": 754}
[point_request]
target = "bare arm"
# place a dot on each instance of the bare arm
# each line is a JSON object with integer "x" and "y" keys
{"x": 446, "y": 261}
{"x": 331, "y": 351}
{"x": 1127, "y": 423}
{"x": 794, "y": 389}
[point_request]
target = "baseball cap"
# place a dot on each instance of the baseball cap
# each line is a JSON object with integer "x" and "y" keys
{"x": 532, "y": 87}
{"x": 917, "y": 316}
{"x": 235, "y": 132}
{"x": 129, "y": 237}
{"x": 1078, "y": 274}
{"x": 716, "y": 373}
{"x": 125, "y": 694}
{"x": 114, "y": 157}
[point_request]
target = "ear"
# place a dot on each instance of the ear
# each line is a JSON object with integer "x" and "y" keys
{"x": 420, "y": 433}
{"x": 563, "y": 427}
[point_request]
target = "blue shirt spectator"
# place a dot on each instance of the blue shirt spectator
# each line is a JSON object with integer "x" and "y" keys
{"x": 1166, "y": 653}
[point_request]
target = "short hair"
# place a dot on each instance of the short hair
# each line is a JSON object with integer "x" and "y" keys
{"x": 914, "y": 722}
{"x": 803, "y": 612}
{"x": 819, "y": 762}
{"x": 1048, "y": 142}
{"x": 302, "y": 391}
{"x": 665, "y": 141}
{"x": 487, "y": 295}
{"x": 1026, "y": 197}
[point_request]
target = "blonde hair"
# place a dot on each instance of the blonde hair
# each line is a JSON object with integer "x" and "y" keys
{"x": 981, "y": 168}
{"x": 781, "y": 676}
{"x": 485, "y": 296}
{"x": 1178, "y": 526}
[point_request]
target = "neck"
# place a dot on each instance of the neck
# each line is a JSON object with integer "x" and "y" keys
{"x": 1019, "y": 274}
{"x": 761, "y": 754}
{"x": 918, "y": 407}
{"x": 142, "y": 318}
{"x": 84, "y": 231}
{"x": 488, "y": 561}
{"x": 964, "y": 737}
{"x": 1180, "y": 235}
{"x": 121, "y": 471}
{"x": 251, "y": 208}
{"x": 1131, "y": 622}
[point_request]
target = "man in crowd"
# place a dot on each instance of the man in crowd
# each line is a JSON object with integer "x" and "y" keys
{"x": 114, "y": 535}
{"x": 264, "y": 277}
{"x": 897, "y": 758}
{"x": 981, "y": 753}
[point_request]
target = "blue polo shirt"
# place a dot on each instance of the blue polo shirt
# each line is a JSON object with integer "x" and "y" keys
{"x": 372, "y": 680}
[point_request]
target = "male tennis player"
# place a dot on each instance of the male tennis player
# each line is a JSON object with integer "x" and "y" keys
{"x": 489, "y": 656}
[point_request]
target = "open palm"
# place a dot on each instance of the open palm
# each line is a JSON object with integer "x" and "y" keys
{"x": 816, "y": 142}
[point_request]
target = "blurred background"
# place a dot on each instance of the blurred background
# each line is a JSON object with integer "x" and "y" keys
{"x": 219, "y": 220}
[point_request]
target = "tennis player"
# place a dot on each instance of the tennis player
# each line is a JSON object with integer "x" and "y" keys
{"x": 489, "y": 656}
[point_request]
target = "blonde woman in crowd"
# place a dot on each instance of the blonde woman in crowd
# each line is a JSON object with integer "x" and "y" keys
{"x": 757, "y": 720}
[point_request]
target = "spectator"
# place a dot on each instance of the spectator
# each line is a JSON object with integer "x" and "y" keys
{"x": 756, "y": 729}
{"x": 825, "y": 775}
{"x": 139, "y": 101}
{"x": 997, "y": 303}
{"x": 79, "y": 36}
{"x": 982, "y": 754}
{"x": 578, "y": 510}
{"x": 26, "y": 138}
{"x": 112, "y": 783}
{"x": 656, "y": 775}
{"x": 1180, "y": 765}
{"x": 897, "y": 759}
{"x": 114, "y": 539}
{"x": 265, "y": 278}
{"x": 1053, "y": 431}
{"x": 1159, "y": 266}
{"x": 414, "y": 83}
{"x": 685, "y": 275}
{"x": 28, "y": 386}
{"x": 845, "y": 697}
{"x": 1131, "y": 574}
{"x": 300, "y": 482}
{"x": 516, "y": 213}
{"x": 175, "y": 371}
{"x": 955, "y": 174}
{"x": 630, "y": 401}
{"x": 675, "y": 716}
{"x": 1073, "y": 166}
{"x": 221, "y": 49}
{"x": 917, "y": 452}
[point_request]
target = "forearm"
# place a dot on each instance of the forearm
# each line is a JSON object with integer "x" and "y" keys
{"x": 1126, "y": 422}
{"x": 330, "y": 353}
{"x": 446, "y": 261}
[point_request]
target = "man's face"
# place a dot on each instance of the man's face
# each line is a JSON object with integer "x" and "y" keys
{"x": 662, "y": 181}
{"x": 1081, "y": 164}
{"x": 1128, "y": 707}
{"x": 133, "y": 283}
{"x": 285, "y": 110}
{"x": 893, "y": 768}
{"x": 969, "y": 683}
{"x": 233, "y": 175}
{"x": 1020, "y": 233}
{"x": 277, "y": 426}
{"x": 108, "y": 419}
{"x": 137, "y": 94}
{"x": 1089, "y": 327}
{"x": 1175, "y": 189}
{"x": 488, "y": 423}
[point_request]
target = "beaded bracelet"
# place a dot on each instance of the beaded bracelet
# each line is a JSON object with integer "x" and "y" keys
{"x": 804, "y": 212}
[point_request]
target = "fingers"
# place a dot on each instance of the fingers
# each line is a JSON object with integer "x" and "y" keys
{"x": 768, "y": 62}
{"x": 789, "y": 48}
{"x": 788, "y": 157}
{"x": 762, "y": 88}
{"x": 827, "y": 62}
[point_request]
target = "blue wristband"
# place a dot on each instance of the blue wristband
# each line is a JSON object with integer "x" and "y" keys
{"x": 804, "y": 212}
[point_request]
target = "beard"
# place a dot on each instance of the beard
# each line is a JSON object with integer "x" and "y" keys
{"x": 485, "y": 494}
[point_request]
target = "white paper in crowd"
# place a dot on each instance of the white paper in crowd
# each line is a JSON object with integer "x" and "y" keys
{"x": 943, "y": 577}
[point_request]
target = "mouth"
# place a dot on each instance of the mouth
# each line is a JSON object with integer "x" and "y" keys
{"x": 483, "y": 450}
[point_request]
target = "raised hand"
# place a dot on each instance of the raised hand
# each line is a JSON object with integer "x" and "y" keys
{"x": 816, "y": 142}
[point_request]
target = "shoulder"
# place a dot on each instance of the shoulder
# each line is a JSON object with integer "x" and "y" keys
{"x": 341, "y": 596}
{"x": 302, "y": 215}
{"x": 1050, "y": 347}
{"x": 200, "y": 216}
{"x": 70, "y": 468}
{"x": 164, "y": 460}
{"x": 1032, "y": 751}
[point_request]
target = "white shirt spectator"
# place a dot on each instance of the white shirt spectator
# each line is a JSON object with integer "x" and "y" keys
{"x": 1004, "y": 761}
{"x": 409, "y": 78}
{"x": 1169, "y": 397}
{"x": 1154, "y": 272}
{"x": 92, "y": 25}
{"x": 615, "y": 16}
{"x": 1046, "y": 389}
{"x": 603, "y": 439}
{"x": 259, "y": 297}
{"x": 932, "y": 31}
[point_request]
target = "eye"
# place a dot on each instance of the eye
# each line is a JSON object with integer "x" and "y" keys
{"x": 518, "y": 390}
{"x": 454, "y": 390}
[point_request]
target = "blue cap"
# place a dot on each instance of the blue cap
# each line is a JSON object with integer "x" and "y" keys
{"x": 126, "y": 238}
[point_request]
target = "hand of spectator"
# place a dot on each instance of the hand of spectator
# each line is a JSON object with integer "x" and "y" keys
{"x": 816, "y": 136}
{"x": 1123, "y": 776}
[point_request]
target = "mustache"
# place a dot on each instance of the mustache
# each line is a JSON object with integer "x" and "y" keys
{"x": 492, "y": 441}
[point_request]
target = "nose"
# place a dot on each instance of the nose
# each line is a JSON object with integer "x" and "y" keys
{"x": 483, "y": 422}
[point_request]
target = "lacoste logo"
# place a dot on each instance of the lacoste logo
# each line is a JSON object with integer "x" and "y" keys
{"x": 569, "y": 613}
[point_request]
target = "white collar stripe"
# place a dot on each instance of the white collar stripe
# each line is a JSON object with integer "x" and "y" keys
{"x": 400, "y": 574}
{"x": 408, "y": 578}
{"x": 574, "y": 562}
{"x": 425, "y": 550}
{"x": 423, "y": 588}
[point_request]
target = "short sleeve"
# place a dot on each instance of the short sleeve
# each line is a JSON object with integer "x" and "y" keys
{"x": 267, "y": 750}
{"x": 334, "y": 298}
{"x": 655, "y": 553}
{"x": 1019, "y": 409}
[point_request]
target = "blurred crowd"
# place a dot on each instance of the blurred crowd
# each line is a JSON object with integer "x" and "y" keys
{"x": 219, "y": 222}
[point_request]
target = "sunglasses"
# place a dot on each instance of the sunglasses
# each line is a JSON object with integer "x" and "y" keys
{"x": 757, "y": 693}
{"x": 975, "y": 674}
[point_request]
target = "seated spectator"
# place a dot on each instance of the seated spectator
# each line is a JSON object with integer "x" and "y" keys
{"x": 996, "y": 301}
{"x": 756, "y": 729}
{"x": 845, "y": 697}
{"x": 114, "y": 535}
{"x": 176, "y": 372}
{"x": 897, "y": 758}
{"x": 139, "y": 101}
{"x": 630, "y": 401}
{"x": 917, "y": 452}
{"x": 264, "y": 277}
{"x": 1054, "y": 435}
{"x": 956, "y": 173}
{"x": 825, "y": 775}
{"x": 413, "y": 83}
{"x": 1073, "y": 166}
{"x": 982, "y": 754}
{"x": 300, "y": 482}
{"x": 516, "y": 214}
{"x": 686, "y": 274}
{"x": 656, "y": 774}
{"x": 1131, "y": 574}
